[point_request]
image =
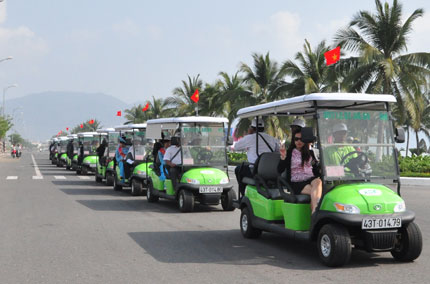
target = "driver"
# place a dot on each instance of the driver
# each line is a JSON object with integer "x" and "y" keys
{"x": 335, "y": 154}
{"x": 173, "y": 159}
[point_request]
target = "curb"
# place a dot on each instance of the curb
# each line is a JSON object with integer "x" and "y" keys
{"x": 415, "y": 181}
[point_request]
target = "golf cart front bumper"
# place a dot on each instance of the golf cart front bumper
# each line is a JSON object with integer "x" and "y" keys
{"x": 208, "y": 198}
{"x": 90, "y": 167}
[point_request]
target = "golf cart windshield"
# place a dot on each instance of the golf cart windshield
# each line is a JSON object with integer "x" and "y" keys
{"x": 357, "y": 144}
{"x": 62, "y": 146}
{"x": 203, "y": 144}
{"x": 113, "y": 143}
{"x": 90, "y": 145}
{"x": 140, "y": 145}
{"x": 75, "y": 146}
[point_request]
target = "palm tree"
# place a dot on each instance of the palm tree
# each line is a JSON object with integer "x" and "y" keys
{"x": 135, "y": 115}
{"x": 380, "y": 39}
{"x": 311, "y": 74}
{"x": 266, "y": 81}
{"x": 159, "y": 108}
{"x": 87, "y": 127}
{"x": 181, "y": 100}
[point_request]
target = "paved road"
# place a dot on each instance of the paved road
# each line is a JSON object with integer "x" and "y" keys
{"x": 64, "y": 228}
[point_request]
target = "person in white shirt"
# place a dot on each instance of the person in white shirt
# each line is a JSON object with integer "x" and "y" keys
{"x": 266, "y": 143}
{"x": 173, "y": 159}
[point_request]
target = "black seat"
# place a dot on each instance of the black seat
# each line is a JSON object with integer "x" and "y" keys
{"x": 266, "y": 175}
{"x": 290, "y": 197}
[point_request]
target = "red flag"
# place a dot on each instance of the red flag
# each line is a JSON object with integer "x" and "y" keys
{"x": 146, "y": 107}
{"x": 332, "y": 56}
{"x": 195, "y": 97}
{"x": 118, "y": 113}
{"x": 91, "y": 121}
{"x": 82, "y": 126}
{"x": 67, "y": 128}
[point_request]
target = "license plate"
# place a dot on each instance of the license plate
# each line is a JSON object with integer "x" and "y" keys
{"x": 381, "y": 223}
{"x": 210, "y": 189}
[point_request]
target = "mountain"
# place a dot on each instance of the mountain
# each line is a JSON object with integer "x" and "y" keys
{"x": 40, "y": 116}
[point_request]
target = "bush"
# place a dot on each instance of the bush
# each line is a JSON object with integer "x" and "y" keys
{"x": 415, "y": 164}
{"x": 236, "y": 158}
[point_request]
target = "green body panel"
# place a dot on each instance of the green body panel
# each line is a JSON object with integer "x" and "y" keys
{"x": 262, "y": 207}
{"x": 372, "y": 194}
{"x": 142, "y": 168}
{"x": 56, "y": 155}
{"x": 101, "y": 170}
{"x": 161, "y": 185}
{"x": 68, "y": 161}
{"x": 297, "y": 216}
{"x": 75, "y": 157}
{"x": 64, "y": 156}
{"x": 110, "y": 165}
{"x": 90, "y": 160}
{"x": 206, "y": 176}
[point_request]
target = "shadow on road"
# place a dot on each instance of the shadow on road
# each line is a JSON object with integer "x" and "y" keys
{"x": 125, "y": 205}
{"x": 83, "y": 182}
{"x": 229, "y": 247}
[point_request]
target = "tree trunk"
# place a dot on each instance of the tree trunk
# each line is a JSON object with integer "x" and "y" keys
{"x": 418, "y": 147}
{"x": 407, "y": 142}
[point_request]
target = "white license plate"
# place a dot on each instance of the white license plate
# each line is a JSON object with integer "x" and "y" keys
{"x": 210, "y": 189}
{"x": 381, "y": 223}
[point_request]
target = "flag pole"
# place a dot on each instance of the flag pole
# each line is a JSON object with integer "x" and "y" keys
{"x": 197, "y": 109}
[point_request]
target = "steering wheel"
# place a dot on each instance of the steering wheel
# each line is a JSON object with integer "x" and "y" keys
{"x": 204, "y": 155}
{"x": 355, "y": 164}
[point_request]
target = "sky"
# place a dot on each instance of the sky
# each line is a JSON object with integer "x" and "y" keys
{"x": 136, "y": 49}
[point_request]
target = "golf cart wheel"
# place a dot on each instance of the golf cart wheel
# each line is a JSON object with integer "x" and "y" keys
{"x": 186, "y": 201}
{"x": 136, "y": 187}
{"x": 109, "y": 179}
{"x": 248, "y": 231}
{"x": 84, "y": 171}
{"x": 150, "y": 193}
{"x": 116, "y": 186}
{"x": 78, "y": 172}
{"x": 98, "y": 179}
{"x": 227, "y": 200}
{"x": 334, "y": 245}
{"x": 67, "y": 167}
{"x": 409, "y": 243}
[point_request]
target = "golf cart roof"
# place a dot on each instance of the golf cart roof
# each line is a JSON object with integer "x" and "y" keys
{"x": 72, "y": 136}
{"x": 105, "y": 130}
{"x": 187, "y": 119}
{"x": 63, "y": 138}
{"x": 303, "y": 105}
{"x": 130, "y": 126}
{"x": 87, "y": 134}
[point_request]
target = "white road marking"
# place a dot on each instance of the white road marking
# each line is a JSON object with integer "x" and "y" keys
{"x": 36, "y": 169}
{"x": 59, "y": 177}
{"x": 83, "y": 177}
{"x": 11, "y": 177}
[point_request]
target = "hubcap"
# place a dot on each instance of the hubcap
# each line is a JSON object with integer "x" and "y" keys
{"x": 181, "y": 201}
{"x": 148, "y": 193}
{"x": 325, "y": 246}
{"x": 132, "y": 187}
{"x": 244, "y": 222}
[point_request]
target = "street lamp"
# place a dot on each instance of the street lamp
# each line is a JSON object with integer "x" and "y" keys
{"x": 4, "y": 94}
{"x": 7, "y": 58}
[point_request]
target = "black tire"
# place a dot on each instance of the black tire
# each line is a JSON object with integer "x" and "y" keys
{"x": 185, "y": 201}
{"x": 246, "y": 227}
{"x": 334, "y": 245}
{"x": 116, "y": 186}
{"x": 98, "y": 179}
{"x": 150, "y": 193}
{"x": 84, "y": 171}
{"x": 409, "y": 243}
{"x": 78, "y": 171}
{"x": 68, "y": 168}
{"x": 109, "y": 179}
{"x": 227, "y": 200}
{"x": 136, "y": 187}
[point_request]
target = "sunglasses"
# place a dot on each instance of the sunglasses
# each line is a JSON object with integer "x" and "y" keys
{"x": 297, "y": 139}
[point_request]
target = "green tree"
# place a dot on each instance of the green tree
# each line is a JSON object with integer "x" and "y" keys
{"x": 181, "y": 100}
{"x": 5, "y": 125}
{"x": 157, "y": 108}
{"x": 87, "y": 127}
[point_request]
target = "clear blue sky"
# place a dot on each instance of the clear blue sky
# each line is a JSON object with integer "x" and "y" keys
{"x": 137, "y": 49}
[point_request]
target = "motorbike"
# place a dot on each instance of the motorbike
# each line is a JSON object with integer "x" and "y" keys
{"x": 13, "y": 153}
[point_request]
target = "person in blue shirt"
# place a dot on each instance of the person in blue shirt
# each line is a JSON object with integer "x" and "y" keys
{"x": 120, "y": 155}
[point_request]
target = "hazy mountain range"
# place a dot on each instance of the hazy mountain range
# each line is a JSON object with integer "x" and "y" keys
{"x": 40, "y": 116}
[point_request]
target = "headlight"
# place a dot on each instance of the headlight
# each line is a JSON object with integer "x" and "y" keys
{"x": 400, "y": 207}
{"x": 192, "y": 181}
{"x": 224, "y": 181}
{"x": 141, "y": 172}
{"x": 346, "y": 208}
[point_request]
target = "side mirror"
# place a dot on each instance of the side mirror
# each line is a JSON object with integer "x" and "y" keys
{"x": 400, "y": 135}
{"x": 308, "y": 135}
{"x": 229, "y": 141}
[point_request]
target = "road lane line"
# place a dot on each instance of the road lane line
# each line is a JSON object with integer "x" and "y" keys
{"x": 59, "y": 177}
{"x": 36, "y": 169}
{"x": 83, "y": 177}
{"x": 11, "y": 177}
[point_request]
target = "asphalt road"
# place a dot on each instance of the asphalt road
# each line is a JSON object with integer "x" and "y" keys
{"x": 64, "y": 228}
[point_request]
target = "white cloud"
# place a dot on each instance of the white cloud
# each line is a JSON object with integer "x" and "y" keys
{"x": 126, "y": 27}
{"x": 155, "y": 32}
{"x": 22, "y": 42}
{"x": 419, "y": 39}
{"x": 3, "y": 14}
{"x": 327, "y": 31}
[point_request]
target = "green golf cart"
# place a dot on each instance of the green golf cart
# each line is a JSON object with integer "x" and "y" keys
{"x": 87, "y": 156}
{"x": 54, "y": 151}
{"x": 103, "y": 161}
{"x": 110, "y": 160}
{"x": 62, "y": 151}
{"x": 204, "y": 171}
{"x": 360, "y": 204}
{"x": 69, "y": 161}
{"x": 135, "y": 165}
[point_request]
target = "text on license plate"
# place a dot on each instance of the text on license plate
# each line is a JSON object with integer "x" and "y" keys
{"x": 381, "y": 223}
{"x": 210, "y": 189}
